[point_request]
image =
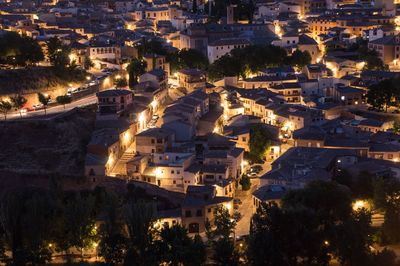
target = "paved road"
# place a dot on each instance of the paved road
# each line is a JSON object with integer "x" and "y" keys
{"x": 91, "y": 99}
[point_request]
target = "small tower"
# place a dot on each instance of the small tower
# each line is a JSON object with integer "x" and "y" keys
{"x": 230, "y": 19}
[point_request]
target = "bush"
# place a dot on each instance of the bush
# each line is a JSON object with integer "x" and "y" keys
{"x": 245, "y": 182}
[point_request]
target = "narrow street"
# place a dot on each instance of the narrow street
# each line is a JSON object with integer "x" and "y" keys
{"x": 246, "y": 209}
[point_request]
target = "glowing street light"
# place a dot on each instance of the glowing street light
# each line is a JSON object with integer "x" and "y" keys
{"x": 359, "y": 204}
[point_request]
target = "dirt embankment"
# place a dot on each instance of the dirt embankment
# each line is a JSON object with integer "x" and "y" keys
{"x": 48, "y": 147}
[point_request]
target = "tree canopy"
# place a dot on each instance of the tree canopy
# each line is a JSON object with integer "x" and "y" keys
{"x": 19, "y": 50}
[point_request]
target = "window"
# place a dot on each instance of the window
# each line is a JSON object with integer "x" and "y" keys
{"x": 199, "y": 213}
{"x": 209, "y": 210}
{"x": 188, "y": 213}
{"x": 172, "y": 172}
{"x": 153, "y": 141}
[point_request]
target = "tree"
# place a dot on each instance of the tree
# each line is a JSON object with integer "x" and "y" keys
{"x": 120, "y": 83}
{"x": 285, "y": 237}
{"x": 391, "y": 224}
{"x": 385, "y": 257}
{"x": 396, "y": 127}
{"x": 299, "y": 59}
{"x": 226, "y": 66}
{"x": 187, "y": 58}
{"x": 177, "y": 248}
{"x": 64, "y": 99}
{"x": 18, "y": 101}
{"x": 353, "y": 239}
{"x": 139, "y": 217}
{"x": 330, "y": 201}
{"x": 26, "y": 219}
{"x": 382, "y": 94}
{"x": 19, "y": 50}
{"x": 371, "y": 58}
{"x": 245, "y": 182}
{"x": 135, "y": 68}
{"x": 260, "y": 141}
{"x": 44, "y": 100}
{"x": 77, "y": 223}
{"x": 112, "y": 245}
{"x": 219, "y": 236}
{"x": 225, "y": 253}
{"x": 5, "y": 107}
{"x": 58, "y": 54}
{"x": 87, "y": 63}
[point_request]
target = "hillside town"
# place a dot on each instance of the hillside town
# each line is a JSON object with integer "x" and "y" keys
{"x": 245, "y": 132}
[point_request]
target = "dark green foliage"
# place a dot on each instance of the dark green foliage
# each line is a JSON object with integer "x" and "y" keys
{"x": 361, "y": 186}
{"x": 243, "y": 61}
{"x": 135, "y": 68}
{"x": 187, "y": 58}
{"x": 139, "y": 217}
{"x": 245, "y": 182}
{"x": 44, "y": 99}
{"x": 220, "y": 239}
{"x": 26, "y": 219}
{"x": 120, "y": 83}
{"x": 384, "y": 94}
{"x": 177, "y": 248}
{"x": 314, "y": 224}
{"x": 151, "y": 47}
{"x": 18, "y": 101}
{"x": 76, "y": 227}
{"x": 371, "y": 58}
{"x": 226, "y": 66}
{"x": 58, "y": 54}
{"x": 17, "y": 50}
{"x": 5, "y": 107}
{"x": 286, "y": 236}
{"x": 299, "y": 59}
{"x": 225, "y": 253}
{"x": 63, "y": 99}
{"x": 112, "y": 245}
{"x": 260, "y": 141}
{"x": 87, "y": 63}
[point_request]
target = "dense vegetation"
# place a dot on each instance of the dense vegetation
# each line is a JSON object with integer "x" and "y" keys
{"x": 314, "y": 225}
{"x": 260, "y": 141}
{"x": 16, "y": 50}
{"x": 25, "y": 52}
{"x": 384, "y": 94}
{"x": 242, "y": 62}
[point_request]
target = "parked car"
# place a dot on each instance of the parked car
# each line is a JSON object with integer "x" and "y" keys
{"x": 253, "y": 175}
{"x": 37, "y": 106}
{"x": 256, "y": 169}
{"x": 237, "y": 201}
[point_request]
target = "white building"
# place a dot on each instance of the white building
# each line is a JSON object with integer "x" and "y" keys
{"x": 222, "y": 47}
